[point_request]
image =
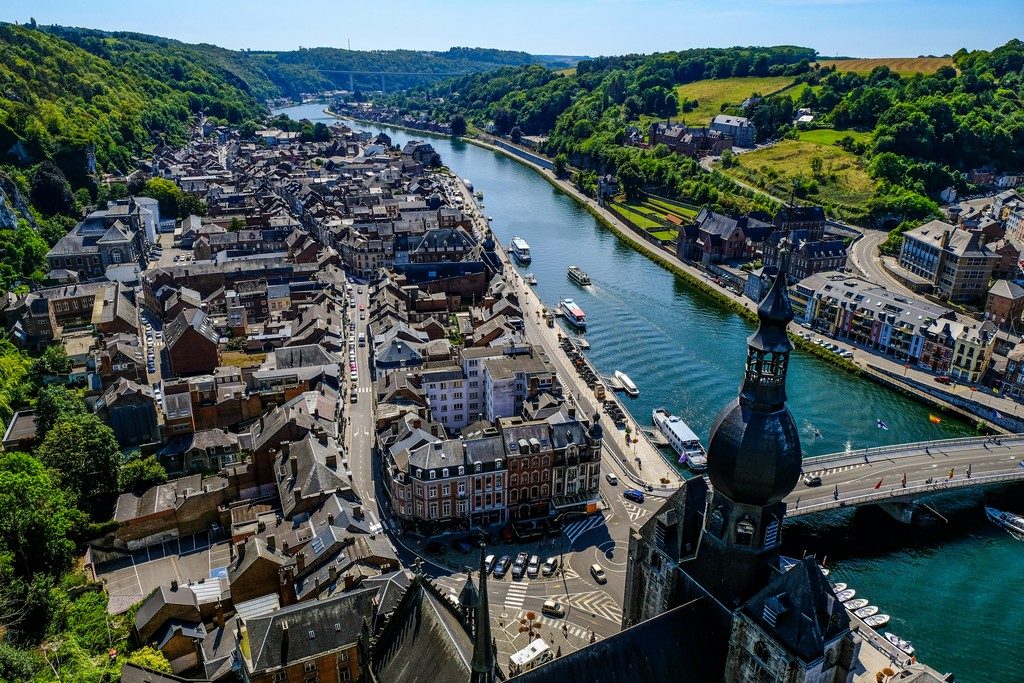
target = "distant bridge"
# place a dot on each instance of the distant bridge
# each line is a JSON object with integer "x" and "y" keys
{"x": 926, "y": 465}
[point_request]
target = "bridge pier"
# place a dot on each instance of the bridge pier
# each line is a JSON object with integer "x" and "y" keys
{"x": 901, "y": 511}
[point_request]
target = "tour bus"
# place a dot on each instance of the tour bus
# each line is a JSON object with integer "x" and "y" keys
{"x": 533, "y": 655}
{"x": 362, "y": 339}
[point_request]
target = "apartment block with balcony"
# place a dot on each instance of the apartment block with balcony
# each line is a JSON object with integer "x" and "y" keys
{"x": 955, "y": 263}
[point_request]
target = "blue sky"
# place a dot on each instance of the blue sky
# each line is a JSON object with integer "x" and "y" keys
{"x": 859, "y": 28}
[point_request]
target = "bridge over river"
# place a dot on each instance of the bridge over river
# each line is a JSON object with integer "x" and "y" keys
{"x": 973, "y": 461}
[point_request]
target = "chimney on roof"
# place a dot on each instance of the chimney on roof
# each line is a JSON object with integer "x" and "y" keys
{"x": 349, "y": 581}
{"x": 333, "y": 573}
{"x": 357, "y": 512}
{"x": 261, "y": 526}
{"x": 220, "y": 614}
{"x": 293, "y": 463}
{"x": 174, "y": 584}
{"x": 572, "y": 411}
{"x": 300, "y": 561}
{"x": 272, "y": 542}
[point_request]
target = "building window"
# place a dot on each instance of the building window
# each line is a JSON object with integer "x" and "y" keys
{"x": 279, "y": 676}
{"x": 309, "y": 666}
{"x": 446, "y": 490}
{"x": 433, "y": 474}
{"x": 462, "y": 470}
{"x": 444, "y": 473}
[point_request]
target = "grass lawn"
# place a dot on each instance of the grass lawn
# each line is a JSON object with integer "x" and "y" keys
{"x": 640, "y": 218}
{"x": 240, "y": 359}
{"x": 904, "y": 66}
{"x": 844, "y": 181}
{"x": 666, "y": 207}
{"x": 669, "y": 235}
{"x": 653, "y": 214}
{"x": 711, "y": 94}
{"x": 829, "y": 136}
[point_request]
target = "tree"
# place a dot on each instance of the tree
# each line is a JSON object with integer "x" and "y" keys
{"x": 190, "y": 205}
{"x": 86, "y": 456}
{"x": 55, "y": 403}
{"x": 561, "y": 164}
{"x": 458, "y": 125}
{"x": 165, "y": 192}
{"x": 516, "y": 134}
{"x": 151, "y": 659}
{"x": 35, "y": 517}
{"x": 51, "y": 191}
{"x": 817, "y": 166}
{"x": 54, "y": 361}
{"x": 138, "y": 474}
{"x": 236, "y": 224}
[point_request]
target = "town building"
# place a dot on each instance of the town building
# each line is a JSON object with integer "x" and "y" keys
{"x": 743, "y": 131}
{"x": 692, "y": 142}
{"x": 193, "y": 345}
{"x": 113, "y": 236}
{"x": 1005, "y": 304}
{"x": 950, "y": 262}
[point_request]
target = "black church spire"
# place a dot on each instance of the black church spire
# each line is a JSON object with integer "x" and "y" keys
{"x": 484, "y": 663}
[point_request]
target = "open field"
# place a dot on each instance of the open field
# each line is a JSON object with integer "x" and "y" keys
{"x": 711, "y": 94}
{"x": 904, "y": 66}
{"x": 843, "y": 181}
{"x": 829, "y": 136}
{"x": 658, "y": 216}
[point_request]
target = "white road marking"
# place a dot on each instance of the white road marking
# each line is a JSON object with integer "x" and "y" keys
{"x": 576, "y": 529}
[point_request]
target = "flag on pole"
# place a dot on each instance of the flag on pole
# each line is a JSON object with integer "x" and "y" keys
{"x": 879, "y": 484}
{"x": 903, "y": 481}
{"x": 882, "y": 425}
{"x": 950, "y": 475}
{"x": 999, "y": 416}
{"x": 934, "y": 419}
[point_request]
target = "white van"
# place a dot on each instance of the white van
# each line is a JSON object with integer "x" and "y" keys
{"x": 531, "y": 656}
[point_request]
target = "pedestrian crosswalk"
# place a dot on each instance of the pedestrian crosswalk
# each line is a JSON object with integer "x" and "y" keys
{"x": 557, "y": 624}
{"x": 598, "y": 603}
{"x": 516, "y": 595}
{"x": 576, "y": 529}
{"x": 635, "y": 512}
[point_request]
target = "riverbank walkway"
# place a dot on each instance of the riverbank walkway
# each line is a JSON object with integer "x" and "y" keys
{"x": 638, "y": 457}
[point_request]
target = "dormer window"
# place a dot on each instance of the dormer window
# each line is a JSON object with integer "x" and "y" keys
{"x": 744, "y": 531}
{"x": 497, "y": 464}
{"x": 462, "y": 470}
{"x": 444, "y": 473}
{"x": 433, "y": 474}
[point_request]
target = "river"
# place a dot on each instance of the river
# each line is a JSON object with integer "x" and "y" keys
{"x": 686, "y": 353}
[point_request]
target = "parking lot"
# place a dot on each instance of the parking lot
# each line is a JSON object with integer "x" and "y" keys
{"x": 132, "y": 577}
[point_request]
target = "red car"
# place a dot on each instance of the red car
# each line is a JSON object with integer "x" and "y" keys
{"x": 942, "y": 379}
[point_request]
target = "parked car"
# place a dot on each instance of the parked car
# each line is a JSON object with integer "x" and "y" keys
{"x": 461, "y": 546}
{"x": 501, "y": 568}
{"x": 635, "y": 495}
{"x": 488, "y": 563}
{"x": 533, "y": 568}
{"x": 553, "y": 608}
{"x": 598, "y": 573}
{"x": 812, "y": 480}
{"x": 519, "y": 566}
{"x": 612, "y": 478}
{"x": 942, "y": 379}
{"x": 550, "y": 565}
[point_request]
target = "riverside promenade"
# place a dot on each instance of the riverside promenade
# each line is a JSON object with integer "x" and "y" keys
{"x": 638, "y": 458}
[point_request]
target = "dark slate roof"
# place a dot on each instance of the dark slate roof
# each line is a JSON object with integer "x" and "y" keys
{"x": 423, "y": 642}
{"x": 716, "y": 224}
{"x": 132, "y": 673}
{"x": 333, "y": 623}
{"x": 800, "y": 610}
{"x": 194, "y": 318}
{"x": 674, "y": 646}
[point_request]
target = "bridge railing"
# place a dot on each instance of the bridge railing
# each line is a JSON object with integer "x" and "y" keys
{"x": 816, "y": 462}
{"x": 794, "y": 508}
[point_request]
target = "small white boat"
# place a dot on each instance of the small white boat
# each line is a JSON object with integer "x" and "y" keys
{"x": 627, "y": 384}
{"x": 865, "y": 612}
{"x": 582, "y": 343}
{"x": 824, "y": 572}
{"x": 845, "y": 595}
{"x": 904, "y": 645}
{"x": 877, "y": 620}
{"x": 838, "y": 586}
{"x": 855, "y": 604}
{"x": 1011, "y": 522}
{"x": 577, "y": 275}
{"x": 468, "y": 184}
{"x": 530, "y": 279}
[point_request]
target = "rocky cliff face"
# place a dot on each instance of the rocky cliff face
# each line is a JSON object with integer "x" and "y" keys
{"x": 12, "y": 205}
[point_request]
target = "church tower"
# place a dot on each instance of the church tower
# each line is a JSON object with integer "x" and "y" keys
{"x": 485, "y": 662}
{"x": 753, "y": 463}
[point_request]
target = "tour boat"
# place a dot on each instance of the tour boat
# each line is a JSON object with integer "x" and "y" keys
{"x": 845, "y": 595}
{"x": 520, "y": 249}
{"x": 1011, "y": 522}
{"x": 838, "y": 586}
{"x": 573, "y": 313}
{"x": 681, "y": 438}
{"x": 468, "y": 184}
{"x": 627, "y": 384}
{"x": 877, "y": 620}
{"x": 865, "y": 612}
{"x": 900, "y": 643}
{"x": 855, "y": 604}
{"x": 577, "y": 275}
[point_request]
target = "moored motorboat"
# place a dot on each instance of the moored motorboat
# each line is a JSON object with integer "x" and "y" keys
{"x": 681, "y": 438}
{"x": 865, "y": 612}
{"x": 627, "y": 384}
{"x": 838, "y": 586}
{"x": 824, "y": 571}
{"x": 903, "y": 645}
{"x": 530, "y": 279}
{"x": 582, "y": 343}
{"x": 573, "y": 313}
{"x": 845, "y": 595}
{"x": 520, "y": 248}
{"x": 877, "y": 620}
{"x": 855, "y": 604}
